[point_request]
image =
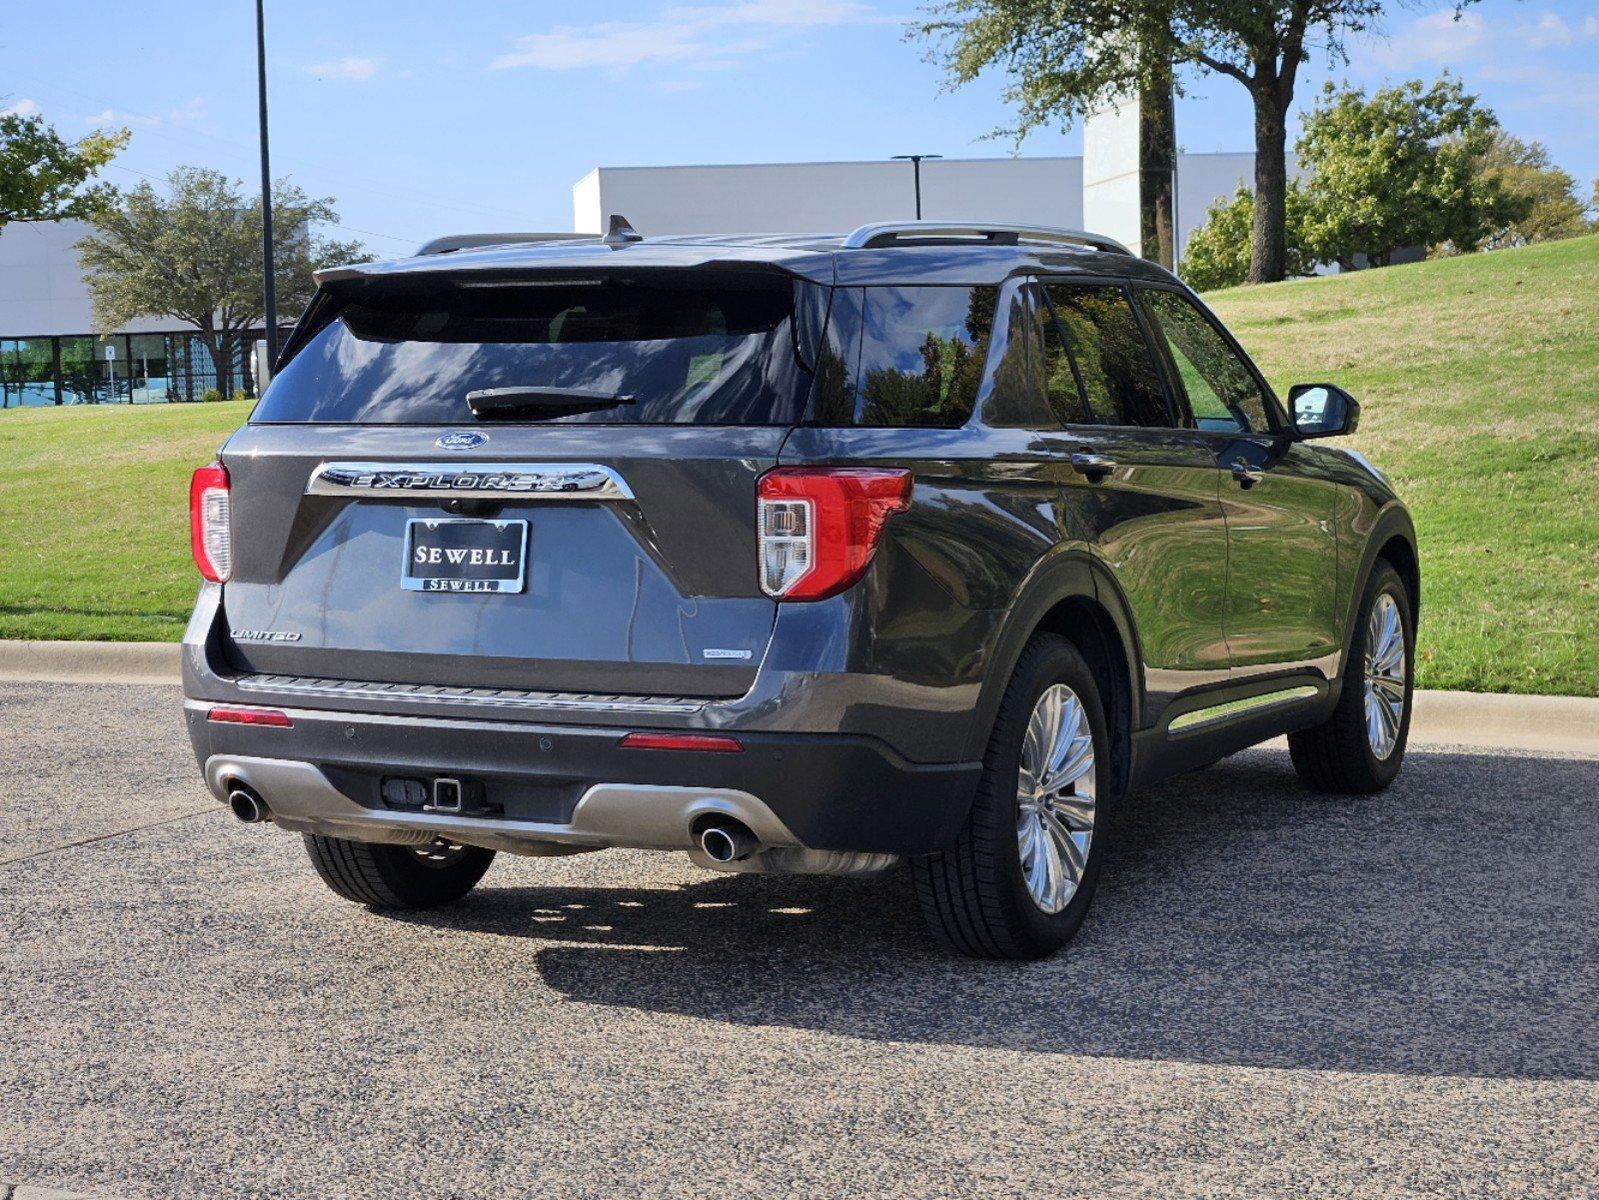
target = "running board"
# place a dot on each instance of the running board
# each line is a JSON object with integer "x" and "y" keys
{"x": 1204, "y": 718}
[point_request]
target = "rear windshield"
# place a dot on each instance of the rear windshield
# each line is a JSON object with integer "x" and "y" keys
{"x": 669, "y": 352}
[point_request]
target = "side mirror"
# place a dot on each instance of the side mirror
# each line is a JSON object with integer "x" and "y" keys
{"x": 1322, "y": 410}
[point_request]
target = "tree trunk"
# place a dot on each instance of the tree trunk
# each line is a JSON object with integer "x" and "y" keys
{"x": 217, "y": 345}
{"x": 1157, "y": 154}
{"x": 1268, "y": 243}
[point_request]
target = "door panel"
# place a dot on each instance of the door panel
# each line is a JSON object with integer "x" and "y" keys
{"x": 1151, "y": 511}
{"x": 1282, "y": 577}
{"x": 1156, "y": 521}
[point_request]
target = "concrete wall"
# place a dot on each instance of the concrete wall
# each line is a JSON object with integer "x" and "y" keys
{"x": 828, "y": 197}
{"x": 41, "y": 283}
{"x": 834, "y": 197}
{"x": 1203, "y": 179}
{"x": 1110, "y": 173}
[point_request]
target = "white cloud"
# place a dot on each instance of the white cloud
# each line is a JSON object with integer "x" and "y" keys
{"x": 22, "y": 108}
{"x": 1436, "y": 36}
{"x": 1551, "y": 30}
{"x": 1449, "y": 40}
{"x": 704, "y": 35}
{"x": 352, "y": 67}
{"x": 183, "y": 114}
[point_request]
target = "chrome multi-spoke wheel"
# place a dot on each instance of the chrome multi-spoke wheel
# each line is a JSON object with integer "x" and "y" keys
{"x": 1055, "y": 798}
{"x": 1359, "y": 746}
{"x": 1385, "y": 675}
{"x": 1043, "y": 783}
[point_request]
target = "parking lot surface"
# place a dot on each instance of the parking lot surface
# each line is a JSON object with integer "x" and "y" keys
{"x": 1276, "y": 994}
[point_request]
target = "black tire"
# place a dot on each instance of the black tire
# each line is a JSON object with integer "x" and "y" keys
{"x": 1337, "y": 755}
{"x": 382, "y": 876}
{"x": 974, "y": 896}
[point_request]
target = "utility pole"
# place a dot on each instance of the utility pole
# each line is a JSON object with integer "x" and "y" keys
{"x": 916, "y": 170}
{"x": 268, "y": 275}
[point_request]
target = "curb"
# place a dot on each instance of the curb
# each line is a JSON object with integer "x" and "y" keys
{"x": 1559, "y": 723}
{"x": 91, "y": 662}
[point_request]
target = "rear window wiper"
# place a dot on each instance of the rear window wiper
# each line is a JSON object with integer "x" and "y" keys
{"x": 489, "y": 403}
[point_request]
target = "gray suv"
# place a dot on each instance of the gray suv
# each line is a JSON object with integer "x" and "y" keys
{"x": 922, "y": 545}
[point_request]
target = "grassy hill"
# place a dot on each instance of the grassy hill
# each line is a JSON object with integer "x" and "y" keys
{"x": 94, "y": 517}
{"x": 1479, "y": 378}
{"x": 1479, "y": 383}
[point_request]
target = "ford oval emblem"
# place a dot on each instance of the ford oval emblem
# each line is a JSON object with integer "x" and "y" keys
{"x": 462, "y": 439}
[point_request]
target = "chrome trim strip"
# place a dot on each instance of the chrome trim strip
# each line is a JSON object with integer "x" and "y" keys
{"x": 1236, "y": 708}
{"x": 886, "y": 233}
{"x": 651, "y": 817}
{"x": 421, "y": 693}
{"x": 469, "y": 481}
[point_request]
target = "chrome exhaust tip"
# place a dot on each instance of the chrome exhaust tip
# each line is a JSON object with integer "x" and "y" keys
{"x": 247, "y": 806}
{"x": 726, "y": 841}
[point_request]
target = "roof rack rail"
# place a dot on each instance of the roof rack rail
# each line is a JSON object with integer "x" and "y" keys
{"x": 989, "y": 233}
{"x": 450, "y": 243}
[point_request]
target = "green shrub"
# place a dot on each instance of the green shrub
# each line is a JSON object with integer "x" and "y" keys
{"x": 1217, "y": 253}
{"x": 211, "y": 396}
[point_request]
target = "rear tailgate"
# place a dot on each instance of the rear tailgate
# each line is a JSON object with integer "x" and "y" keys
{"x": 613, "y": 497}
{"x": 650, "y": 593}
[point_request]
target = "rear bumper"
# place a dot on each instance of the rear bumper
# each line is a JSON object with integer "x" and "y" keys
{"x": 574, "y": 786}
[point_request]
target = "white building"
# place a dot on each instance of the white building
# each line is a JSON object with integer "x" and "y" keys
{"x": 49, "y": 352}
{"x": 835, "y": 197}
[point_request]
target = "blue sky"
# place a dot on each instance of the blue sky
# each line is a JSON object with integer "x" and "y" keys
{"x": 427, "y": 118}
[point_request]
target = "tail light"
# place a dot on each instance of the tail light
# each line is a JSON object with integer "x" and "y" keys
{"x": 819, "y": 526}
{"x": 713, "y": 742}
{"x": 272, "y": 717}
{"x": 211, "y": 522}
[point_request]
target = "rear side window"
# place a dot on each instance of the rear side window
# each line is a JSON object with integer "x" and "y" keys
{"x": 921, "y": 355}
{"x": 1222, "y": 391}
{"x": 669, "y": 352}
{"x": 1104, "y": 351}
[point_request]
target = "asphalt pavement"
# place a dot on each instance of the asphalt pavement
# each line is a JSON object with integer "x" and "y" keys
{"x": 1276, "y": 994}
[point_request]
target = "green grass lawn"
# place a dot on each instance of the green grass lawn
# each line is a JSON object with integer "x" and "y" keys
{"x": 94, "y": 517}
{"x": 1479, "y": 378}
{"x": 1479, "y": 384}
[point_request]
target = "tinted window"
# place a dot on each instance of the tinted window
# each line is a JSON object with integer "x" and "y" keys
{"x": 1222, "y": 391}
{"x": 1062, "y": 387}
{"x": 1010, "y": 399}
{"x": 922, "y": 354}
{"x": 691, "y": 353}
{"x": 1119, "y": 381}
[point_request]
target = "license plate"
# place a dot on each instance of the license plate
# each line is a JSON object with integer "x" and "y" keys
{"x": 456, "y": 554}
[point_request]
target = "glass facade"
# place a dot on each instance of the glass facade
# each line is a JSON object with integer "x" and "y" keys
{"x": 124, "y": 368}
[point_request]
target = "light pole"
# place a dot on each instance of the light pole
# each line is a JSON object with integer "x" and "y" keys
{"x": 916, "y": 170}
{"x": 271, "y": 288}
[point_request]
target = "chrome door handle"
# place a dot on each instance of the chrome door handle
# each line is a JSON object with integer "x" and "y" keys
{"x": 1095, "y": 466}
{"x": 1246, "y": 475}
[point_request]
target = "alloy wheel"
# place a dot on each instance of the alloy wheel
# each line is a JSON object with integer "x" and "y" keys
{"x": 1055, "y": 798}
{"x": 1385, "y": 676}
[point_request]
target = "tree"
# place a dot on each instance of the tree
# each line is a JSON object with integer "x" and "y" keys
{"x": 1218, "y": 252}
{"x": 1066, "y": 59}
{"x": 1065, "y": 54}
{"x": 44, "y": 178}
{"x": 195, "y": 254}
{"x": 1545, "y": 196}
{"x": 1400, "y": 167}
